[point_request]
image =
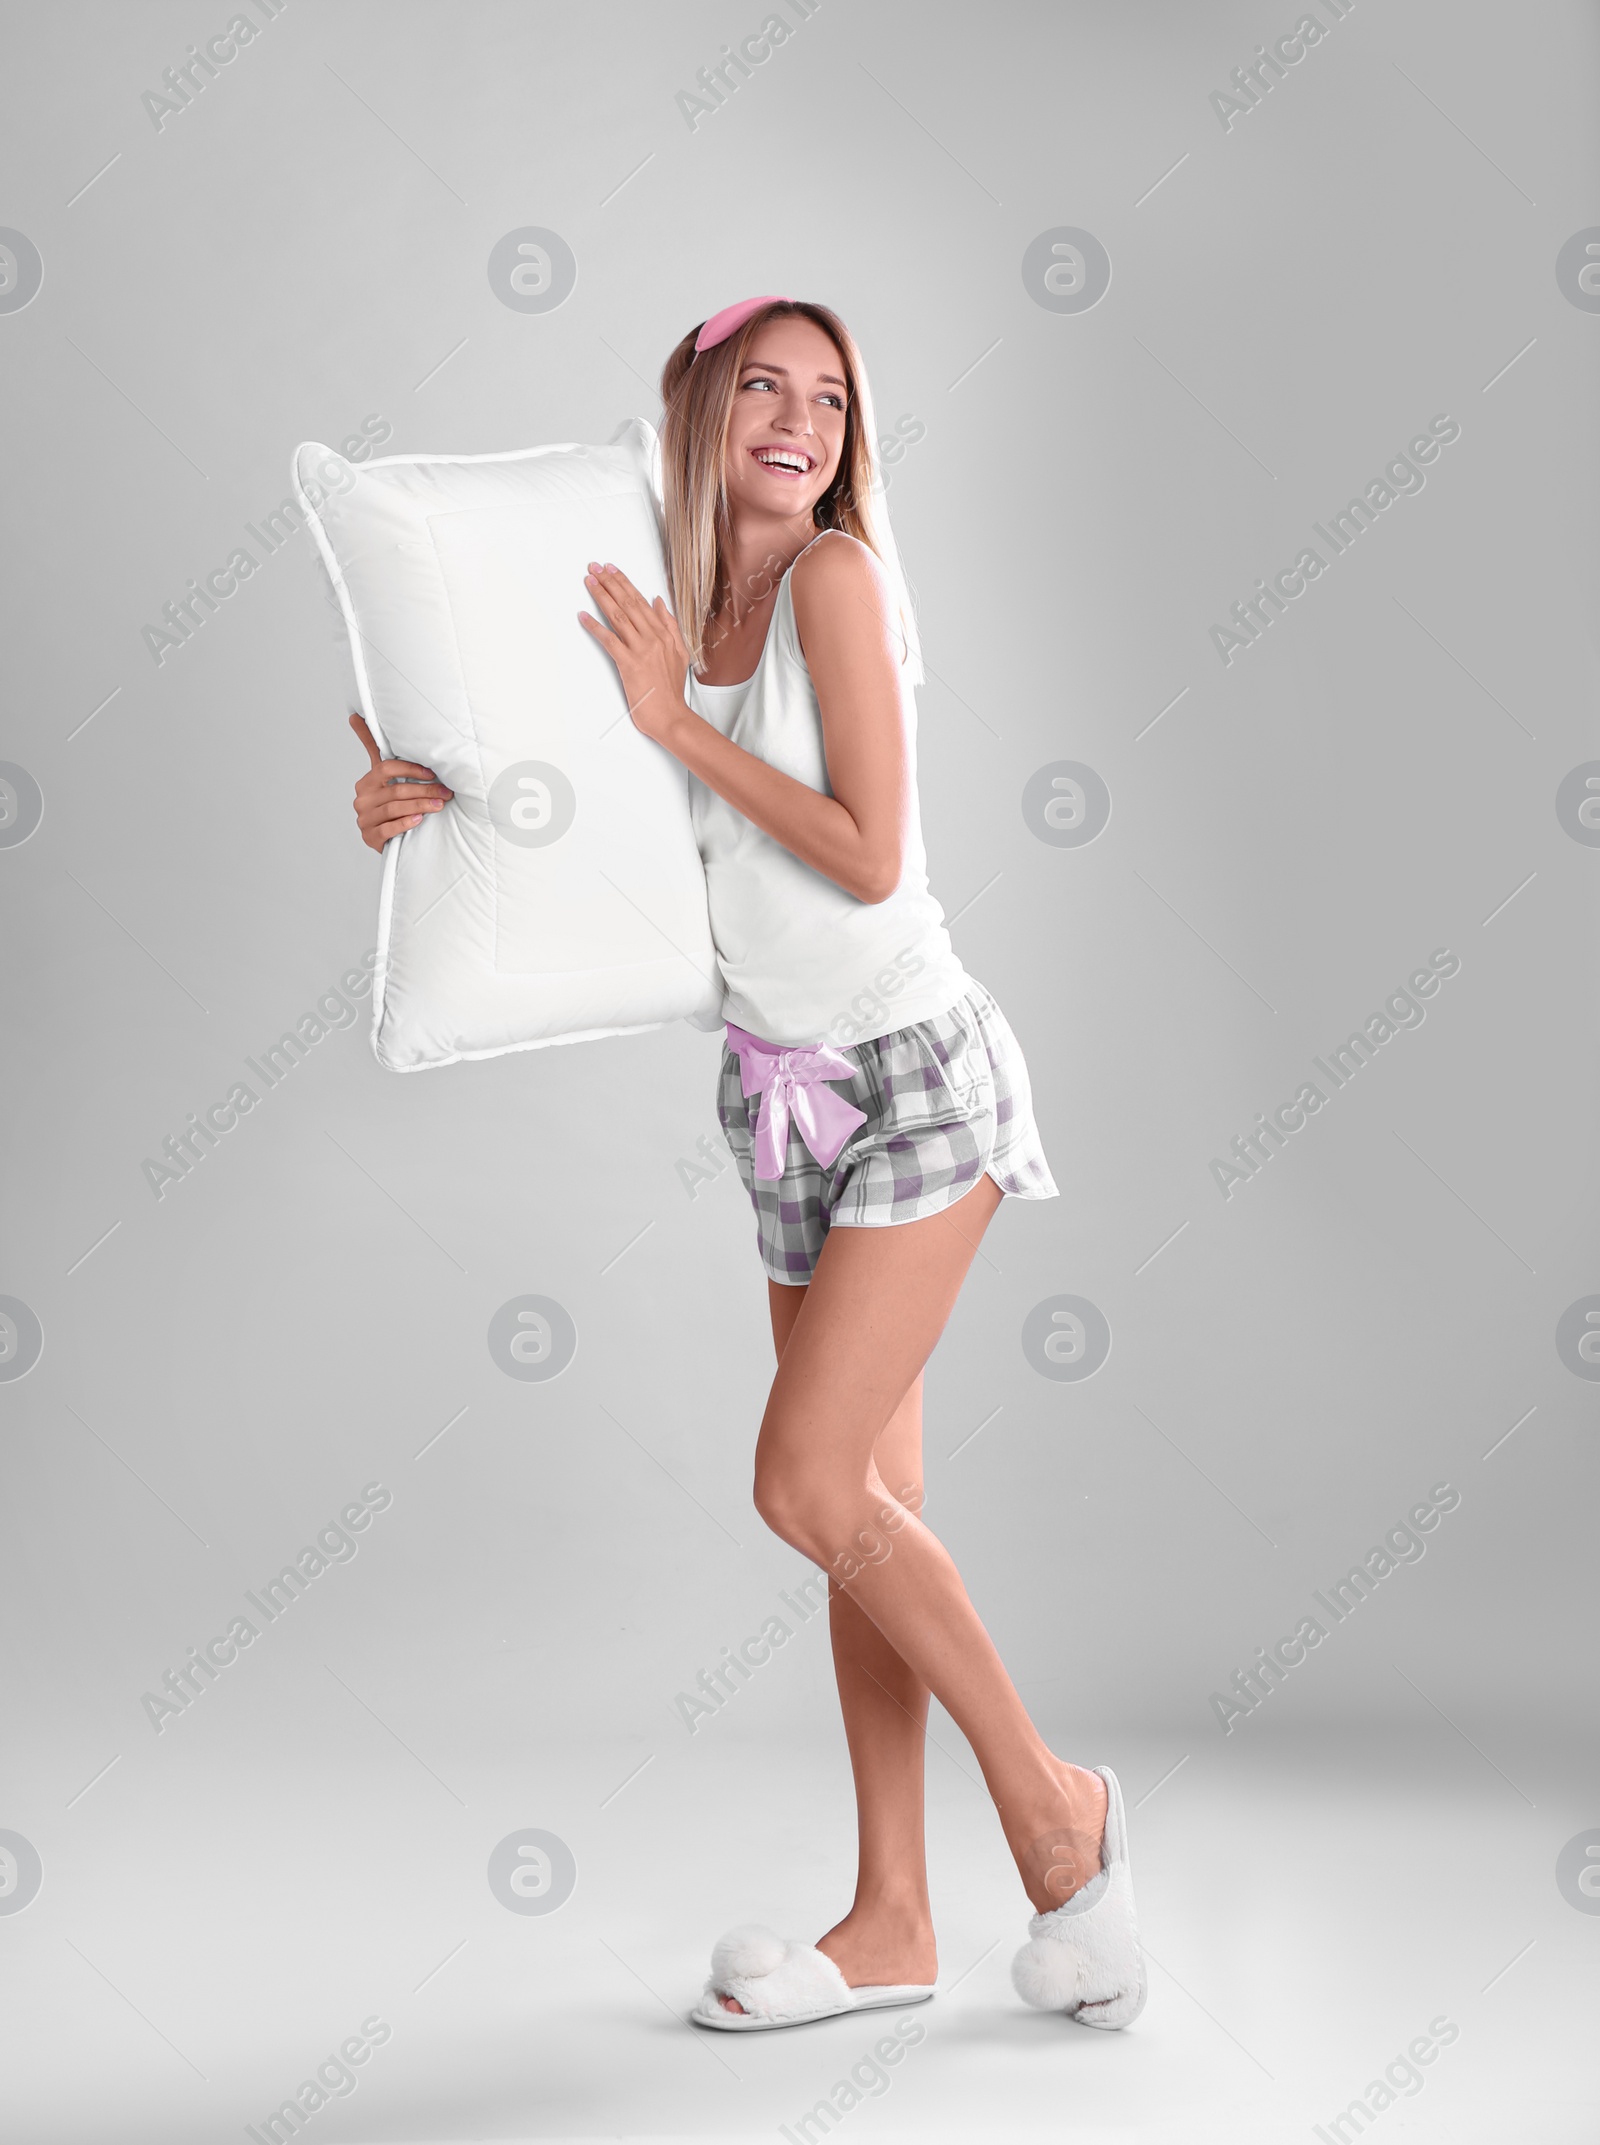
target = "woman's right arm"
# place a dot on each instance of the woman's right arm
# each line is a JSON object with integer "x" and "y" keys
{"x": 393, "y": 794}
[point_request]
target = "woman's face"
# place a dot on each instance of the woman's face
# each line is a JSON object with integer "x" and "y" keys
{"x": 786, "y": 426}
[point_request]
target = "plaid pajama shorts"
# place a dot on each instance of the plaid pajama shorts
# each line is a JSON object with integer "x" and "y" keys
{"x": 946, "y": 1099}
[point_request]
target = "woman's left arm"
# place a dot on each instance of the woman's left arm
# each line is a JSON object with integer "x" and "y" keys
{"x": 844, "y": 616}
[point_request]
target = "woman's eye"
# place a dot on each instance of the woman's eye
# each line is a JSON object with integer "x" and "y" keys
{"x": 758, "y": 383}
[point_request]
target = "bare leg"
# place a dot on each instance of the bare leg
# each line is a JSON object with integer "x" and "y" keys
{"x": 887, "y": 1936}
{"x": 875, "y": 1307}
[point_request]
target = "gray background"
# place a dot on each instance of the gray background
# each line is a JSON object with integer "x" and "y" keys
{"x": 1292, "y": 300}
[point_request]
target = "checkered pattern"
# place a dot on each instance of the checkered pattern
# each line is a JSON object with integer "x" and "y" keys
{"x": 945, "y": 1100}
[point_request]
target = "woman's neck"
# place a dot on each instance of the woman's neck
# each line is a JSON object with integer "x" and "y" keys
{"x": 756, "y": 559}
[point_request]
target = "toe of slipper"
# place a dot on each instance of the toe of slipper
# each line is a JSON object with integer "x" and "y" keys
{"x": 1119, "y": 2010}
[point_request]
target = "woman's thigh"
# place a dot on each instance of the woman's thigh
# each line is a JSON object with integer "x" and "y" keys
{"x": 875, "y": 1306}
{"x": 784, "y": 1301}
{"x": 897, "y": 1455}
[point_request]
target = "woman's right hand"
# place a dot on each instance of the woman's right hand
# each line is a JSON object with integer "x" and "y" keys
{"x": 393, "y": 794}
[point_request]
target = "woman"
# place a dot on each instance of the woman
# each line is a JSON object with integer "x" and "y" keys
{"x": 780, "y": 677}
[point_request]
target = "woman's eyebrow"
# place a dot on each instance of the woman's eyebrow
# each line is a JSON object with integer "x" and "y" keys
{"x": 828, "y": 379}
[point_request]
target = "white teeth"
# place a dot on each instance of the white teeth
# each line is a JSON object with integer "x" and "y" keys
{"x": 777, "y": 458}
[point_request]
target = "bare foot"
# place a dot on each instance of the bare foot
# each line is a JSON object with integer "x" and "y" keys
{"x": 1059, "y": 1851}
{"x": 874, "y": 1948}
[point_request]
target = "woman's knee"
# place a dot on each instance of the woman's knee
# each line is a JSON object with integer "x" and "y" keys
{"x": 905, "y": 1489}
{"x": 775, "y": 1506}
{"x": 792, "y": 1506}
{"x": 843, "y": 1529}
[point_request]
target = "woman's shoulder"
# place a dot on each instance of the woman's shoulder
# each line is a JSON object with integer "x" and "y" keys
{"x": 835, "y": 564}
{"x": 841, "y": 602}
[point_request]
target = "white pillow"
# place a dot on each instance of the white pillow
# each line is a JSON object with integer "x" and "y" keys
{"x": 560, "y": 895}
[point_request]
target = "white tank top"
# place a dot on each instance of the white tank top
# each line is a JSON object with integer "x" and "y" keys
{"x": 802, "y": 960}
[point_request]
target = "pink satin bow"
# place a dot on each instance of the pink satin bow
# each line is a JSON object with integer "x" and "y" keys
{"x": 794, "y": 1078}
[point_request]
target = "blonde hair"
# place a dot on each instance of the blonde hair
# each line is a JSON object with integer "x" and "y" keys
{"x": 698, "y": 393}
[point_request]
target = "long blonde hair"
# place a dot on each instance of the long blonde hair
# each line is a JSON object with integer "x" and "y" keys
{"x": 698, "y": 394}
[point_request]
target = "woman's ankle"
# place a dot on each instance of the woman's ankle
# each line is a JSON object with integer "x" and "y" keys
{"x": 871, "y": 1945}
{"x": 1058, "y": 1841}
{"x": 891, "y": 1907}
{"x": 1054, "y": 1791}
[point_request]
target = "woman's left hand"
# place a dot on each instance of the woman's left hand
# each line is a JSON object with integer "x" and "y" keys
{"x": 643, "y": 640}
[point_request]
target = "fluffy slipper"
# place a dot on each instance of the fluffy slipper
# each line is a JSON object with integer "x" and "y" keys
{"x": 784, "y": 1984}
{"x": 1084, "y": 1958}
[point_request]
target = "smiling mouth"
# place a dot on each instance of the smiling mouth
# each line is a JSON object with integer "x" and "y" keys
{"x": 784, "y": 461}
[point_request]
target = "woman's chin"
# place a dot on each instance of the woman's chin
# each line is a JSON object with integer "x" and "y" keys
{"x": 780, "y": 497}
